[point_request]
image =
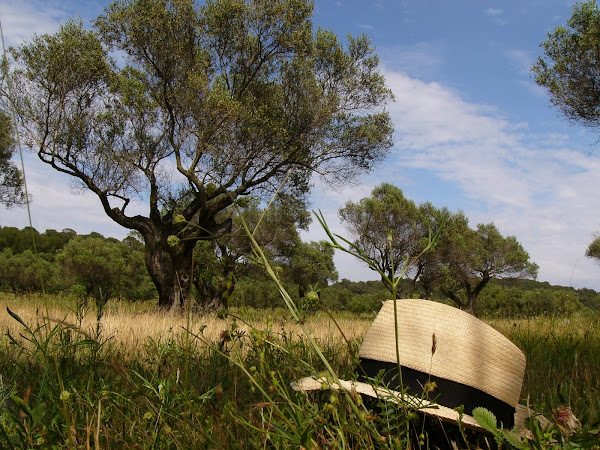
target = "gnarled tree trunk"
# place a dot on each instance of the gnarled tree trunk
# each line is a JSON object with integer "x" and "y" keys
{"x": 170, "y": 268}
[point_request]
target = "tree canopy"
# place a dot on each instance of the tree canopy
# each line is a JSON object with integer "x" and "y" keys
{"x": 593, "y": 250}
{"x": 473, "y": 257}
{"x": 95, "y": 264}
{"x": 570, "y": 67}
{"x": 570, "y": 70}
{"x": 191, "y": 107}
{"x": 222, "y": 260}
{"x": 391, "y": 230}
{"x": 11, "y": 179}
{"x": 385, "y": 226}
{"x": 311, "y": 264}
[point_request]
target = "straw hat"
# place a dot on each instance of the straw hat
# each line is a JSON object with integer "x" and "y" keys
{"x": 471, "y": 364}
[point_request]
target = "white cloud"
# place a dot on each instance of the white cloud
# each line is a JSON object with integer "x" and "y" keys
{"x": 534, "y": 187}
{"x": 493, "y": 12}
{"x": 378, "y": 6}
{"x": 57, "y": 205}
{"x": 20, "y": 20}
{"x": 542, "y": 193}
{"x": 497, "y": 15}
{"x": 521, "y": 60}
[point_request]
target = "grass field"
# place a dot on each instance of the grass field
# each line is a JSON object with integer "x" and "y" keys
{"x": 148, "y": 379}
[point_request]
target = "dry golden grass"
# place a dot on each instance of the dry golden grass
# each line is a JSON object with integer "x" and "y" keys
{"x": 132, "y": 325}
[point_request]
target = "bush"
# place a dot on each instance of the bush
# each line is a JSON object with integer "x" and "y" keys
{"x": 516, "y": 302}
{"x": 257, "y": 293}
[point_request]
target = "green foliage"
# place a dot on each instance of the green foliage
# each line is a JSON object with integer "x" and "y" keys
{"x": 386, "y": 212}
{"x": 496, "y": 301}
{"x": 471, "y": 258}
{"x": 135, "y": 283}
{"x": 487, "y": 420}
{"x": 356, "y": 297}
{"x": 11, "y": 180}
{"x": 258, "y": 292}
{"x": 99, "y": 267}
{"x": 94, "y": 263}
{"x": 25, "y": 272}
{"x": 562, "y": 363}
{"x": 106, "y": 268}
{"x": 390, "y": 230}
{"x": 310, "y": 264}
{"x": 568, "y": 68}
{"x": 62, "y": 388}
{"x": 219, "y": 262}
{"x": 236, "y": 95}
{"x": 593, "y": 250}
{"x": 47, "y": 243}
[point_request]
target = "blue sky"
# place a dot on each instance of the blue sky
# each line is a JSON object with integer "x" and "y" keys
{"x": 472, "y": 130}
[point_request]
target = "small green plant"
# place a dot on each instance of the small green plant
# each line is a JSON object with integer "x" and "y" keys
{"x": 539, "y": 437}
{"x": 81, "y": 302}
{"x": 310, "y": 302}
{"x": 488, "y": 421}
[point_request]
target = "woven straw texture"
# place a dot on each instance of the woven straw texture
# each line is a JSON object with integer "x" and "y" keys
{"x": 431, "y": 409}
{"x": 467, "y": 350}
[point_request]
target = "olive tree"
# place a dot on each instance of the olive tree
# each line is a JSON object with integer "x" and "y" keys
{"x": 471, "y": 258}
{"x": 219, "y": 262}
{"x": 190, "y": 107}
{"x": 311, "y": 264}
{"x": 569, "y": 69}
{"x": 386, "y": 227}
{"x": 593, "y": 250}
{"x": 391, "y": 230}
{"x": 11, "y": 179}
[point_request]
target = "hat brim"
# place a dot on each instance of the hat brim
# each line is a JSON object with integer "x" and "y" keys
{"x": 421, "y": 405}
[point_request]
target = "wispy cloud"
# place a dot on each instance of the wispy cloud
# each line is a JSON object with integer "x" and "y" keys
{"x": 420, "y": 60}
{"x": 493, "y": 12}
{"x": 521, "y": 60}
{"x": 497, "y": 16}
{"x": 536, "y": 188}
{"x": 378, "y": 6}
{"x": 20, "y": 21}
{"x": 536, "y": 191}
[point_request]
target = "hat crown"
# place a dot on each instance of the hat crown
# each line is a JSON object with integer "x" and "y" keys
{"x": 448, "y": 343}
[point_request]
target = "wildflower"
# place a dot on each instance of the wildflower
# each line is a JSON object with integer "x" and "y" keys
{"x": 429, "y": 387}
{"x": 565, "y": 419}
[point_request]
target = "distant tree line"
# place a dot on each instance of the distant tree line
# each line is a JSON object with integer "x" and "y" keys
{"x": 392, "y": 230}
{"x": 94, "y": 267}
{"x": 99, "y": 268}
{"x": 63, "y": 261}
{"x": 500, "y": 299}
